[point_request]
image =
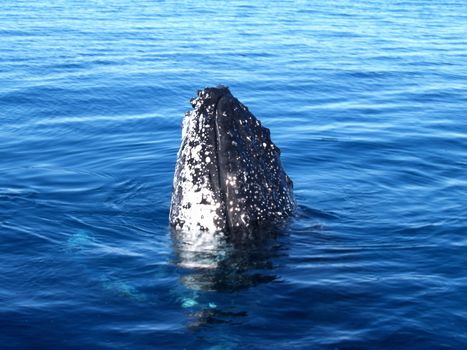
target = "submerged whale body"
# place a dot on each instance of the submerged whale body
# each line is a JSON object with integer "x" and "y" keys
{"x": 229, "y": 180}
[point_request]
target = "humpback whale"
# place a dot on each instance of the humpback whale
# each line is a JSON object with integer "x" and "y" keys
{"x": 229, "y": 180}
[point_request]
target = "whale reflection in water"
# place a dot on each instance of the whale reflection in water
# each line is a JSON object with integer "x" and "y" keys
{"x": 225, "y": 267}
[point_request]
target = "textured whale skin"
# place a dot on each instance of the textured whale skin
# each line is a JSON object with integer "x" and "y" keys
{"x": 229, "y": 179}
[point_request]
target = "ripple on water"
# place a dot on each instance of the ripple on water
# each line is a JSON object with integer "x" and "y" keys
{"x": 366, "y": 101}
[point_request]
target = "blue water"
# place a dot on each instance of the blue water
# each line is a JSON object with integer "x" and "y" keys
{"x": 366, "y": 99}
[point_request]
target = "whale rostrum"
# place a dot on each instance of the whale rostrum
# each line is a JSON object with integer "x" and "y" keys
{"x": 229, "y": 179}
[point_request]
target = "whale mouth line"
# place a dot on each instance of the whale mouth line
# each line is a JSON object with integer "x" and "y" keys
{"x": 220, "y": 173}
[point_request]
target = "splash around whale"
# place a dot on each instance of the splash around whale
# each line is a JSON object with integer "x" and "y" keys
{"x": 229, "y": 180}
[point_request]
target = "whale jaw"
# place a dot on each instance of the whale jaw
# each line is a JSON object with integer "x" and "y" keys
{"x": 229, "y": 180}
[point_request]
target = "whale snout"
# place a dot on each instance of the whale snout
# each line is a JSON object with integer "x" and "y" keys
{"x": 229, "y": 178}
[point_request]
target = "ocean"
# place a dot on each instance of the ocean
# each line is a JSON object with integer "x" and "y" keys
{"x": 367, "y": 101}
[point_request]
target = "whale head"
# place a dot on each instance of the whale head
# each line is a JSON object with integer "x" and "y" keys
{"x": 229, "y": 180}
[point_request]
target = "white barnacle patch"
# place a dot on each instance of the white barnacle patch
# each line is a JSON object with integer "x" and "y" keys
{"x": 195, "y": 207}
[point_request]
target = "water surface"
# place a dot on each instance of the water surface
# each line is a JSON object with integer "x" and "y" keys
{"x": 367, "y": 101}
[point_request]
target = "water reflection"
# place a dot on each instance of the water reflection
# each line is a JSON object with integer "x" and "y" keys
{"x": 212, "y": 272}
